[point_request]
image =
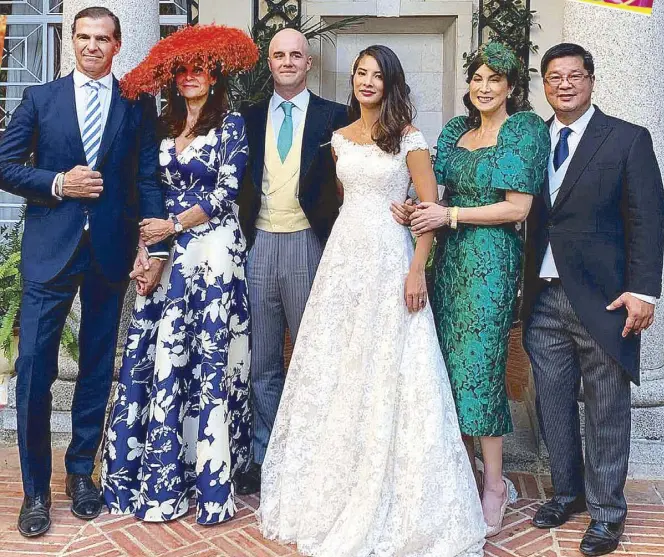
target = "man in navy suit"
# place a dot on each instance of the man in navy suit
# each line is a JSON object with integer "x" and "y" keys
{"x": 593, "y": 273}
{"x": 94, "y": 174}
{"x": 288, "y": 205}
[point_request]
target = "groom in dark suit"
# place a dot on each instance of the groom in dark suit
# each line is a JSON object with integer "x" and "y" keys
{"x": 287, "y": 207}
{"x": 593, "y": 273}
{"x": 94, "y": 173}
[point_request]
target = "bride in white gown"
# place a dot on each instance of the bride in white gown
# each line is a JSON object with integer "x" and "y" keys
{"x": 366, "y": 458}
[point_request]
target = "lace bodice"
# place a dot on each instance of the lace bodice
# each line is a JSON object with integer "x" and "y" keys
{"x": 367, "y": 171}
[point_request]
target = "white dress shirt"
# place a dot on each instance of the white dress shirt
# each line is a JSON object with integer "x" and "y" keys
{"x": 548, "y": 269}
{"x": 84, "y": 93}
{"x": 300, "y": 105}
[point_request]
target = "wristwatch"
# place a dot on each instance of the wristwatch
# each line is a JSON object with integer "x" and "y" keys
{"x": 177, "y": 224}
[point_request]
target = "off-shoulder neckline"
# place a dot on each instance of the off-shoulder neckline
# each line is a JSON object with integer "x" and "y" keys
{"x": 342, "y": 136}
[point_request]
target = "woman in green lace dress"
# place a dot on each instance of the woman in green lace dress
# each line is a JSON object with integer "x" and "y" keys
{"x": 492, "y": 163}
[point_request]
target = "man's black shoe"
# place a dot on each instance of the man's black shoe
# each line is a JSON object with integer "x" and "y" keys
{"x": 248, "y": 482}
{"x": 554, "y": 513}
{"x": 601, "y": 538}
{"x": 35, "y": 516}
{"x": 86, "y": 501}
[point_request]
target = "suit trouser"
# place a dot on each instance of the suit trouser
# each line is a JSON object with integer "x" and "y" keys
{"x": 280, "y": 271}
{"x": 563, "y": 353}
{"x": 44, "y": 310}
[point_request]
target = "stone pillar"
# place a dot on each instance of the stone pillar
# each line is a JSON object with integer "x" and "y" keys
{"x": 627, "y": 48}
{"x": 139, "y": 20}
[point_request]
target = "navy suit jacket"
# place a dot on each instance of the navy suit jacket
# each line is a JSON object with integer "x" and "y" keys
{"x": 317, "y": 189}
{"x": 45, "y": 128}
{"x": 606, "y": 230}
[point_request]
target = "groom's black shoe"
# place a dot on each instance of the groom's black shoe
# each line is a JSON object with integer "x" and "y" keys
{"x": 35, "y": 516}
{"x": 554, "y": 513}
{"x": 86, "y": 499}
{"x": 248, "y": 482}
{"x": 601, "y": 538}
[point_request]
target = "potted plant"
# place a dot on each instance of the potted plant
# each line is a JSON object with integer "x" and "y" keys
{"x": 10, "y": 301}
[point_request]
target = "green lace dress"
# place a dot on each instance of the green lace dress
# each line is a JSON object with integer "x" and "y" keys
{"x": 477, "y": 267}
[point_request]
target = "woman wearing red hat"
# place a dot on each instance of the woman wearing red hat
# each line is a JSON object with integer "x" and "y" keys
{"x": 180, "y": 425}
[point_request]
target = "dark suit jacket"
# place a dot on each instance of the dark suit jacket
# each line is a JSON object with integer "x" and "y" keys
{"x": 317, "y": 190}
{"x": 606, "y": 232}
{"x": 45, "y": 126}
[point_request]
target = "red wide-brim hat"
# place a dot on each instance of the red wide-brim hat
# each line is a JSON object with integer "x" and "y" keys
{"x": 209, "y": 45}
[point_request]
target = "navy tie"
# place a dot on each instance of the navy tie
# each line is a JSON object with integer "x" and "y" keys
{"x": 562, "y": 148}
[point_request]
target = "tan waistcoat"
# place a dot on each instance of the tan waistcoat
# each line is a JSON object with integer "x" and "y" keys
{"x": 280, "y": 209}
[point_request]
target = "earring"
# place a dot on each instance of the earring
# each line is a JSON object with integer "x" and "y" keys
{"x": 509, "y": 95}
{"x": 211, "y": 91}
{"x": 177, "y": 93}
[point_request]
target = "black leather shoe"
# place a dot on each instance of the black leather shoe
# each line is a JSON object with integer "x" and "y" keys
{"x": 601, "y": 537}
{"x": 35, "y": 516}
{"x": 248, "y": 482}
{"x": 554, "y": 513}
{"x": 86, "y": 500}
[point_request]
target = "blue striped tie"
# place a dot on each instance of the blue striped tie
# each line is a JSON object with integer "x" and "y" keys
{"x": 92, "y": 127}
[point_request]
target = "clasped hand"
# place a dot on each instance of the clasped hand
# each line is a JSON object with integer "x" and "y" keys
{"x": 147, "y": 271}
{"x": 422, "y": 218}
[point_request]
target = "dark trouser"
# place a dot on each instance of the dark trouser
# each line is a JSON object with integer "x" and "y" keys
{"x": 563, "y": 354}
{"x": 44, "y": 309}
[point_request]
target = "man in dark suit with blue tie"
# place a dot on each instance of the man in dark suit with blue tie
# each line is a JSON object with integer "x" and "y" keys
{"x": 94, "y": 174}
{"x": 593, "y": 273}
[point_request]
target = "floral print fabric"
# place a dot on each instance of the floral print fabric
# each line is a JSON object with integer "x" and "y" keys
{"x": 477, "y": 267}
{"x": 180, "y": 424}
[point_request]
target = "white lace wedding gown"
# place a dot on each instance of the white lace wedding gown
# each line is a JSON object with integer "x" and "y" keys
{"x": 366, "y": 457}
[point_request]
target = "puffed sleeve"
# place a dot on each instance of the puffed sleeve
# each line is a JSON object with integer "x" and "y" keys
{"x": 522, "y": 154}
{"x": 232, "y": 154}
{"x": 447, "y": 141}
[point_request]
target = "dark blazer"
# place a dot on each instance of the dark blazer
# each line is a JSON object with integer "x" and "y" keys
{"x": 45, "y": 126}
{"x": 606, "y": 230}
{"x": 317, "y": 189}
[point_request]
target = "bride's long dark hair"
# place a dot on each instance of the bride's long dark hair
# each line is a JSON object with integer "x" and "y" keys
{"x": 396, "y": 109}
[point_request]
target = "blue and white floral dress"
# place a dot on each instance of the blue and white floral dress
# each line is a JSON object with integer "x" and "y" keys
{"x": 181, "y": 425}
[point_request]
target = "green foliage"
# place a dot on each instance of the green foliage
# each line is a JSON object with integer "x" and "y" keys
{"x": 11, "y": 287}
{"x": 508, "y": 22}
{"x": 256, "y": 85}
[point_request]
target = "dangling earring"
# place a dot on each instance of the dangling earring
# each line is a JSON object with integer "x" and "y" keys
{"x": 211, "y": 90}
{"x": 177, "y": 93}
{"x": 509, "y": 95}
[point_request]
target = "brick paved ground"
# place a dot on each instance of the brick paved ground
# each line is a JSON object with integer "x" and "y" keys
{"x": 110, "y": 536}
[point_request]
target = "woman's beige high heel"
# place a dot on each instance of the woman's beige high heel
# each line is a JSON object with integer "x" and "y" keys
{"x": 497, "y": 528}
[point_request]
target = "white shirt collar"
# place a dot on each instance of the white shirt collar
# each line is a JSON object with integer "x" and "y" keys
{"x": 301, "y": 100}
{"x": 578, "y": 126}
{"x": 80, "y": 79}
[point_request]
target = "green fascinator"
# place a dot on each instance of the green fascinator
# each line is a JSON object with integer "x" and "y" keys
{"x": 499, "y": 58}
